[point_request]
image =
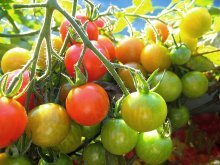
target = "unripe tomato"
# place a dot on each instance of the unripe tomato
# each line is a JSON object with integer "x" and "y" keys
{"x": 196, "y": 22}
{"x": 117, "y": 137}
{"x": 129, "y": 50}
{"x": 90, "y": 131}
{"x": 62, "y": 160}
{"x": 14, "y": 58}
{"x": 48, "y": 125}
{"x": 126, "y": 75}
{"x": 15, "y": 160}
{"x": 87, "y": 104}
{"x": 195, "y": 84}
{"x": 13, "y": 120}
{"x": 144, "y": 111}
{"x": 64, "y": 90}
{"x": 155, "y": 56}
{"x": 152, "y": 148}
{"x": 170, "y": 87}
{"x": 180, "y": 55}
{"x": 190, "y": 42}
{"x": 161, "y": 29}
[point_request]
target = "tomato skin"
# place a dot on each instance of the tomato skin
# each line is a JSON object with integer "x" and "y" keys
{"x": 117, "y": 137}
{"x": 64, "y": 90}
{"x": 48, "y": 125}
{"x": 129, "y": 50}
{"x": 152, "y": 148}
{"x": 94, "y": 67}
{"x": 62, "y": 160}
{"x": 90, "y": 131}
{"x": 100, "y": 23}
{"x": 14, "y": 59}
{"x": 87, "y": 104}
{"x": 107, "y": 43}
{"x": 13, "y": 120}
{"x": 196, "y": 22}
{"x": 8, "y": 160}
{"x": 161, "y": 29}
{"x": 180, "y": 55}
{"x": 144, "y": 112}
{"x": 155, "y": 56}
{"x": 170, "y": 87}
{"x": 195, "y": 84}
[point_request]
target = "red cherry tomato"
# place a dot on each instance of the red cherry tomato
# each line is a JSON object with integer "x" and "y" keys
{"x": 100, "y": 22}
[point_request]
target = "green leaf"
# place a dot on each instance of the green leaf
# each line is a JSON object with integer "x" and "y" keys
{"x": 204, "y": 2}
{"x": 217, "y": 24}
{"x": 214, "y": 11}
{"x": 16, "y": 88}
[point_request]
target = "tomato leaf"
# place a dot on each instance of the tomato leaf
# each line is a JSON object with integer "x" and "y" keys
{"x": 204, "y": 2}
{"x": 217, "y": 24}
{"x": 214, "y": 11}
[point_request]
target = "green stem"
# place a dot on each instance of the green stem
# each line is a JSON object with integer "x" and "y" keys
{"x": 130, "y": 26}
{"x": 79, "y": 62}
{"x": 22, "y": 6}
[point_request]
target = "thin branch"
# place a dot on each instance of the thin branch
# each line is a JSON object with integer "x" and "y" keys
{"x": 34, "y": 5}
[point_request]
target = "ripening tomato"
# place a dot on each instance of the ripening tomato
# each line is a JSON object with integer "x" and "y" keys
{"x": 64, "y": 90}
{"x": 152, "y": 148}
{"x": 155, "y": 56}
{"x": 61, "y": 160}
{"x": 144, "y": 111}
{"x": 161, "y": 29}
{"x": 14, "y": 58}
{"x": 196, "y": 22}
{"x": 195, "y": 84}
{"x": 117, "y": 137}
{"x": 94, "y": 67}
{"x": 90, "y": 131}
{"x": 108, "y": 44}
{"x": 87, "y": 104}
{"x": 13, "y": 160}
{"x": 170, "y": 87}
{"x": 48, "y": 125}
{"x": 13, "y": 120}
{"x": 129, "y": 50}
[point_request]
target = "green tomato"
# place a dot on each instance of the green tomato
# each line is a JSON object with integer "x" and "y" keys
{"x": 153, "y": 148}
{"x": 9, "y": 160}
{"x": 144, "y": 111}
{"x": 180, "y": 55}
{"x": 90, "y": 131}
{"x": 170, "y": 87}
{"x": 117, "y": 137}
{"x": 195, "y": 84}
{"x": 62, "y": 160}
{"x": 178, "y": 116}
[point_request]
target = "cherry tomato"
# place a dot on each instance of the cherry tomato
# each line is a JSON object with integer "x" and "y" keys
{"x": 180, "y": 55}
{"x": 195, "y": 84}
{"x": 62, "y": 160}
{"x": 117, "y": 137}
{"x": 64, "y": 90}
{"x": 129, "y": 50}
{"x": 153, "y": 148}
{"x": 144, "y": 111}
{"x": 170, "y": 87}
{"x": 107, "y": 43}
{"x": 87, "y": 104}
{"x": 161, "y": 29}
{"x": 155, "y": 56}
{"x": 94, "y": 67}
{"x": 15, "y": 160}
{"x": 48, "y": 125}
{"x": 13, "y": 120}
{"x": 100, "y": 23}
{"x": 14, "y": 58}
{"x": 196, "y": 22}
{"x": 90, "y": 131}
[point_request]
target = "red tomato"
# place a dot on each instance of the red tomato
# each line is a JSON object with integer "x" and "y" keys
{"x": 87, "y": 104}
{"x": 107, "y": 43}
{"x": 94, "y": 67}
{"x": 13, "y": 120}
{"x": 100, "y": 22}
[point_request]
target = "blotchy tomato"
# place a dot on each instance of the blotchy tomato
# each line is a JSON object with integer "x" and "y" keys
{"x": 48, "y": 125}
{"x": 144, "y": 111}
{"x": 15, "y": 160}
{"x": 13, "y": 120}
{"x": 129, "y": 50}
{"x": 94, "y": 67}
{"x": 87, "y": 104}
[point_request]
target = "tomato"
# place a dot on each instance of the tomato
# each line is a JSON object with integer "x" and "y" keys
{"x": 94, "y": 154}
{"x": 14, "y": 58}
{"x": 72, "y": 140}
{"x": 178, "y": 116}
{"x": 87, "y": 104}
{"x": 170, "y": 87}
{"x": 100, "y": 23}
{"x": 129, "y": 50}
{"x": 126, "y": 75}
{"x": 13, "y": 120}
{"x": 117, "y": 137}
{"x": 180, "y": 55}
{"x": 190, "y": 42}
{"x": 152, "y": 148}
{"x": 62, "y": 160}
{"x": 15, "y": 160}
{"x": 196, "y": 22}
{"x": 144, "y": 111}
{"x": 64, "y": 90}
{"x": 161, "y": 29}
{"x": 48, "y": 125}
{"x": 94, "y": 67}
{"x": 90, "y": 131}
{"x": 195, "y": 84}
{"x": 107, "y": 43}
{"x": 155, "y": 56}
{"x": 56, "y": 44}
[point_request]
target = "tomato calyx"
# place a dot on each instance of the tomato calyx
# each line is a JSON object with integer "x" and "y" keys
{"x": 165, "y": 129}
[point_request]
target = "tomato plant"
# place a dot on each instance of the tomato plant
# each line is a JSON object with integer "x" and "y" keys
{"x": 15, "y": 160}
